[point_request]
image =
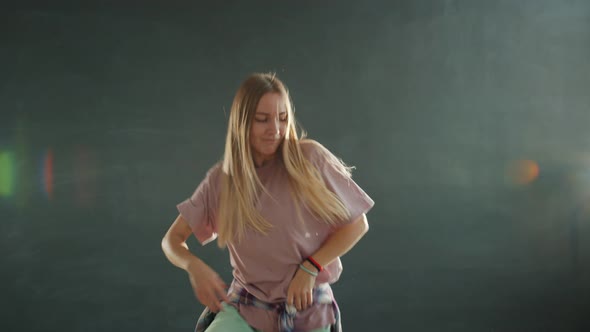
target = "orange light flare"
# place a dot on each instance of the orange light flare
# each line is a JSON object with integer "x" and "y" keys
{"x": 523, "y": 172}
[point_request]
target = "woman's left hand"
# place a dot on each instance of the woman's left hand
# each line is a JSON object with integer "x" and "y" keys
{"x": 300, "y": 292}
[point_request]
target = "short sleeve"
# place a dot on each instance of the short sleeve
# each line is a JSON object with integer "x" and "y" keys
{"x": 200, "y": 209}
{"x": 354, "y": 198}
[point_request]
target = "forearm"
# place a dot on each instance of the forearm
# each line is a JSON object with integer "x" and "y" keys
{"x": 177, "y": 252}
{"x": 341, "y": 241}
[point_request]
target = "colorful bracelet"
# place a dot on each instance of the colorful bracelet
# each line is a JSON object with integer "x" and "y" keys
{"x": 315, "y": 274}
{"x": 315, "y": 264}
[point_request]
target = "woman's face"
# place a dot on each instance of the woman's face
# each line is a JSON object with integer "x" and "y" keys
{"x": 268, "y": 127}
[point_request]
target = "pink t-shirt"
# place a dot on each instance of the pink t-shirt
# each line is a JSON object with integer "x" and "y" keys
{"x": 265, "y": 264}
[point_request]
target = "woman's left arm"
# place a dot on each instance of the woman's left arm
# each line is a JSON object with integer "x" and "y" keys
{"x": 339, "y": 243}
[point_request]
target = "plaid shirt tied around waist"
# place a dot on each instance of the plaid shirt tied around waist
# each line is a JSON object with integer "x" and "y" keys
{"x": 287, "y": 313}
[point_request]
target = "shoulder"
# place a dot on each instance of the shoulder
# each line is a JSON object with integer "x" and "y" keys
{"x": 215, "y": 169}
{"x": 322, "y": 158}
{"x": 313, "y": 150}
{"x": 214, "y": 173}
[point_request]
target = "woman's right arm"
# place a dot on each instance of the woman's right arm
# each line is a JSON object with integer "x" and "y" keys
{"x": 209, "y": 289}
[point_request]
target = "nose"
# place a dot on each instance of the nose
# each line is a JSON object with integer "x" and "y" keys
{"x": 275, "y": 126}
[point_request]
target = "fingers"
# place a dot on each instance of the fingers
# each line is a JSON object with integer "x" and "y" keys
{"x": 213, "y": 294}
{"x": 214, "y": 305}
{"x": 309, "y": 296}
{"x": 306, "y": 300}
{"x": 218, "y": 295}
{"x": 292, "y": 300}
{"x": 301, "y": 301}
{"x": 298, "y": 303}
{"x": 213, "y": 302}
{"x": 209, "y": 299}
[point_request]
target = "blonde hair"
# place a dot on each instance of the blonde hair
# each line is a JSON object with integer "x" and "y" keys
{"x": 241, "y": 187}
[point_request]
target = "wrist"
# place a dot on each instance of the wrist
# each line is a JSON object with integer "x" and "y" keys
{"x": 193, "y": 264}
{"x": 309, "y": 266}
{"x": 314, "y": 263}
{"x": 310, "y": 271}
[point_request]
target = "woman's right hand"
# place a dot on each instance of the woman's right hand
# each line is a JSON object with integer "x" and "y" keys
{"x": 208, "y": 287}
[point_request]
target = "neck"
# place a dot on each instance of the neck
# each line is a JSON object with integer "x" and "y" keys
{"x": 261, "y": 161}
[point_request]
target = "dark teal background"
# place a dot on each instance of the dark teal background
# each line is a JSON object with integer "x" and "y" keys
{"x": 432, "y": 101}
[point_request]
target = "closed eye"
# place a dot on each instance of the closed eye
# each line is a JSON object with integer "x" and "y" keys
{"x": 282, "y": 118}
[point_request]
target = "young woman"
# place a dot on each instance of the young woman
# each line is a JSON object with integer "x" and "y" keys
{"x": 284, "y": 206}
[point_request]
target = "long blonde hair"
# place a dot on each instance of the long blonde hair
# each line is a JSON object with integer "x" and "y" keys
{"x": 241, "y": 187}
